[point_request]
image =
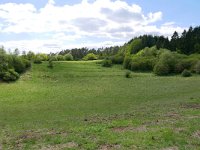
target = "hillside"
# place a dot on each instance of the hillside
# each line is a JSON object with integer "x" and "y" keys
{"x": 81, "y": 105}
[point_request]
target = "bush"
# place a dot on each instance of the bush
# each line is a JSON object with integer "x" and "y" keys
{"x": 181, "y": 65}
{"x": 197, "y": 67}
{"x": 117, "y": 59}
{"x": 148, "y": 52}
{"x": 161, "y": 69}
{"x": 186, "y": 73}
{"x": 68, "y": 57}
{"x": 27, "y": 63}
{"x": 90, "y": 56}
{"x": 60, "y": 58}
{"x": 10, "y": 75}
{"x": 19, "y": 65}
{"x": 50, "y": 64}
{"x": 11, "y": 66}
{"x": 143, "y": 64}
{"x": 168, "y": 58}
{"x": 37, "y": 60}
{"x": 53, "y": 58}
{"x": 43, "y": 57}
{"x": 126, "y": 63}
{"x": 106, "y": 63}
{"x": 128, "y": 74}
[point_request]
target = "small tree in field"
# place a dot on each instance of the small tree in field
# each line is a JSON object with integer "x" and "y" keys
{"x": 128, "y": 74}
{"x": 186, "y": 73}
{"x": 68, "y": 57}
{"x": 106, "y": 63}
{"x": 90, "y": 56}
{"x": 50, "y": 63}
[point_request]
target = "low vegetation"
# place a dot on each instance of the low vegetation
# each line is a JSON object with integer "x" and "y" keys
{"x": 90, "y": 56}
{"x": 11, "y": 65}
{"x": 186, "y": 73}
{"x": 81, "y": 105}
{"x": 72, "y": 100}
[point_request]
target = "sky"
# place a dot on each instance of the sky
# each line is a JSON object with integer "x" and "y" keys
{"x": 54, "y": 25}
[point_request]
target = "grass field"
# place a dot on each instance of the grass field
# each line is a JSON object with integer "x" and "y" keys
{"x": 81, "y": 105}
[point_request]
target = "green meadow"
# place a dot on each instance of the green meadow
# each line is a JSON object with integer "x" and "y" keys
{"x": 82, "y": 105}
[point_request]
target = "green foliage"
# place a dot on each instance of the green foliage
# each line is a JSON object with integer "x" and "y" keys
{"x": 161, "y": 69}
{"x": 27, "y": 63}
{"x": 106, "y": 63}
{"x": 169, "y": 59}
{"x": 90, "y": 56}
{"x": 182, "y": 64}
{"x": 127, "y": 62}
{"x": 77, "y": 101}
{"x": 197, "y": 67}
{"x": 128, "y": 74}
{"x": 50, "y": 64}
{"x": 186, "y": 73}
{"x": 42, "y": 56}
{"x": 53, "y": 58}
{"x": 2, "y": 50}
{"x": 161, "y": 62}
{"x": 148, "y": 52}
{"x": 10, "y": 75}
{"x": 68, "y": 57}
{"x": 60, "y": 57}
{"x": 11, "y": 66}
{"x": 197, "y": 47}
{"x": 19, "y": 65}
{"x": 135, "y": 46}
{"x": 37, "y": 60}
{"x": 30, "y": 56}
{"x": 16, "y": 52}
{"x": 170, "y": 62}
{"x": 117, "y": 59}
{"x": 142, "y": 63}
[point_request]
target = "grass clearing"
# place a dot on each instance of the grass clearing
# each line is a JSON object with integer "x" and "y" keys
{"x": 81, "y": 105}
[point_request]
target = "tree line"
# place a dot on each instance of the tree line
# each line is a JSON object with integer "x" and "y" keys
{"x": 162, "y": 56}
{"x": 144, "y": 53}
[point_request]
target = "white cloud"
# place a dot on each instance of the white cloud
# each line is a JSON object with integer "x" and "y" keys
{"x": 106, "y": 19}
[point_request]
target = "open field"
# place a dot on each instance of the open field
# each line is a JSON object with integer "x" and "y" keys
{"x": 81, "y": 105}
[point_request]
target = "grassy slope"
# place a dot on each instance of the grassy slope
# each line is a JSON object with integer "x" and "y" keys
{"x": 80, "y": 105}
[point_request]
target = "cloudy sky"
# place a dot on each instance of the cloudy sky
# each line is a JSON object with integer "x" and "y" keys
{"x": 52, "y": 25}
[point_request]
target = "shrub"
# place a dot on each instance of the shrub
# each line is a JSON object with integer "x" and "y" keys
{"x": 186, "y": 73}
{"x": 19, "y": 65}
{"x": 37, "y": 60}
{"x": 148, "y": 52}
{"x": 68, "y": 57}
{"x": 10, "y": 75}
{"x": 142, "y": 64}
{"x": 53, "y": 58}
{"x": 135, "y": 46}
{"x": 117, "y": 59}
{"x": 27, "y": 63}
{"x": 11, "y": 66}
{"x": 168, "y": 58}
{"x": 106, "y": 63}
{"x": 42, "y": 56}
{"x": 90, "y": 56}
{"x": 197, "y": 67}
{"x": 50, "y": 64}
{"x": 161, "y": 69}
{"x": 126, "y": 63}
{"x": 60, "y": 58}
{"x": 128, "y": 74}
{"x": 181, "y": 65}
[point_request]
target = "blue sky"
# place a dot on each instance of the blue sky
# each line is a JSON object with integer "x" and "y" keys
{"x": 52, "y": 25}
